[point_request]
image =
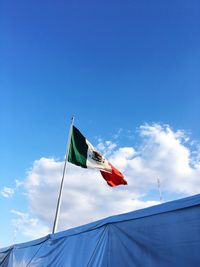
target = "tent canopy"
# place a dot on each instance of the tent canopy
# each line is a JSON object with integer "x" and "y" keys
{"x": 166, "y": 235}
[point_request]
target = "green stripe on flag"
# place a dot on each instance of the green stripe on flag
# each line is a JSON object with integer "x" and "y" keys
{"x": 78, "y": 149}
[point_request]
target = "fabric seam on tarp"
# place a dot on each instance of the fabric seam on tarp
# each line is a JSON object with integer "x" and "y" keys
{"x": 35, "y": 253}
{"x": 97, "y": 245}
{"x": 8, "y": 255}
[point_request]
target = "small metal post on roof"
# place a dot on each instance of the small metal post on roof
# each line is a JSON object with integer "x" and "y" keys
{"x": 159, "y": 189}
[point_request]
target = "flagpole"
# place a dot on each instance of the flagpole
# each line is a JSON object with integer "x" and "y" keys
{"x": 55, "y": 224}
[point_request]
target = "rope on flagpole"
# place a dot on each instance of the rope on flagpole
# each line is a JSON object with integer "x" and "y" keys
{"x": 55, "y": 224}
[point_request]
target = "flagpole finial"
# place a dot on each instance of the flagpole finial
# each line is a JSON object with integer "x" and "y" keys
{"x": 72, "y": 119}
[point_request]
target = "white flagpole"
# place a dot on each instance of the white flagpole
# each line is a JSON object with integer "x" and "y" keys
{"x": 55, "y": 224}
{"x": 159, "y": 189}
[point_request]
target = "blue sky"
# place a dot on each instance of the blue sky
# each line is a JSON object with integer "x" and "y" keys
{"x": 115, "y": 65}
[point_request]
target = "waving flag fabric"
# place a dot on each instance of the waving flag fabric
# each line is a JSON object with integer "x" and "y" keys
{"x": 83, "y": 154}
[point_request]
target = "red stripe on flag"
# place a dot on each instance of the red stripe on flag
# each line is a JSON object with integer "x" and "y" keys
{"x": 113, "y": 178}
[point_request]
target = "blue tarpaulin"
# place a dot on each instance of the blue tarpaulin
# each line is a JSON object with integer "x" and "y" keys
{"x": 166, "y": 235}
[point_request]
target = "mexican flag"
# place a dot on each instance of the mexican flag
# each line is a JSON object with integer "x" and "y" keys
{"x": 83, "y": 154}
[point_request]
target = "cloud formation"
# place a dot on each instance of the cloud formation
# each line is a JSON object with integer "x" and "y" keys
{"x": 7, "y": 192}
{"x": 31, "y": 227}
{"x": 162, "y": 153}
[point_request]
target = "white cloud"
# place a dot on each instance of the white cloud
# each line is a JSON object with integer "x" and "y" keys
{"x": 7, "y": 192}
{"x": 106, "y": 147}
{"x": 162, "y": 153}
{"x": 19, "y": 183}
{"x": 165, "y": 153}
{"x": 29, "y": 226}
